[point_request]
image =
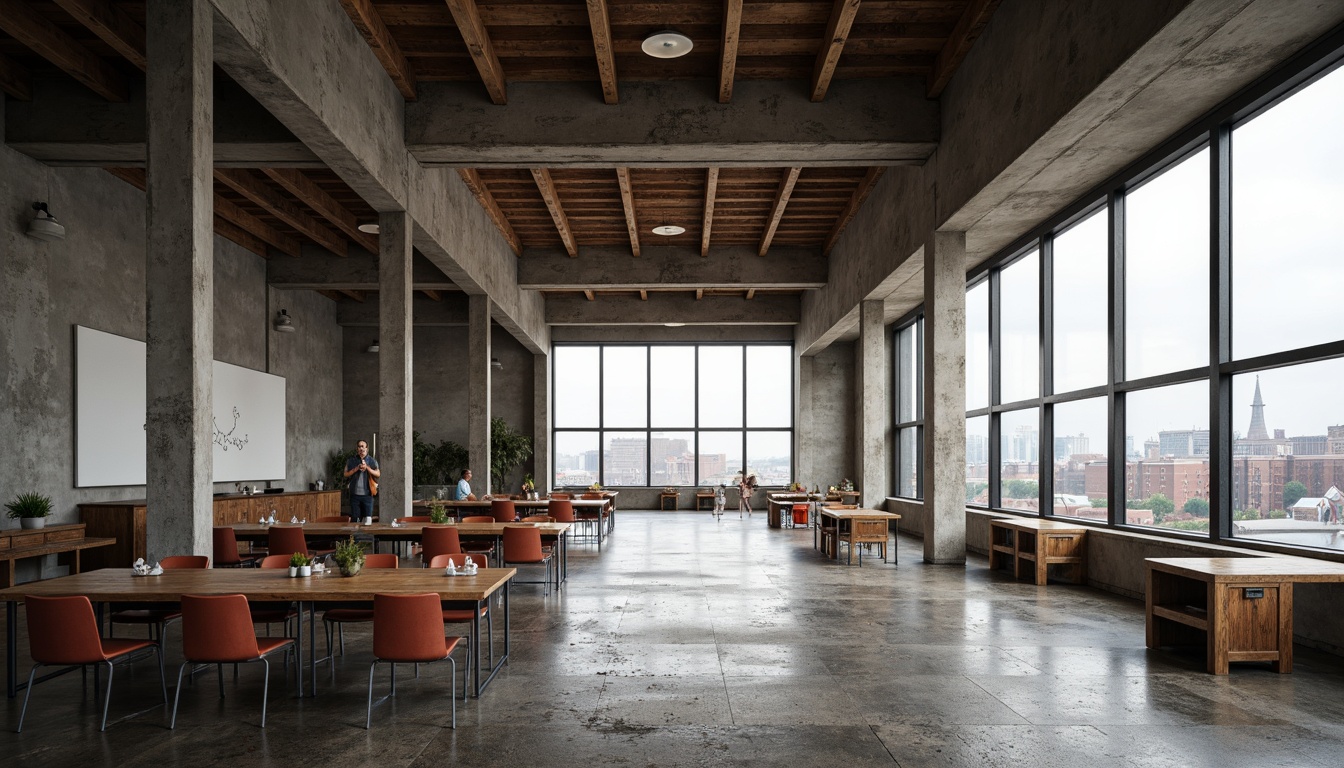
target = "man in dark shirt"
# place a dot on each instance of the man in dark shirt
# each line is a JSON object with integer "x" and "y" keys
{"x": 359, "y": 468}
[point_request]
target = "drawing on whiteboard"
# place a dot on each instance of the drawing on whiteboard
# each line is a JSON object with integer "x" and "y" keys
{"x": 226, "y": 440}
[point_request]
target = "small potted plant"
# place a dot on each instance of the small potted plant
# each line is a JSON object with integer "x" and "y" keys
{"x": 438, "y": 514}
{"x": 300, "y": 565}
{"x": 30, "y": 509}
{"x": 529, "y": 486}
{"x": 349, "y": 557}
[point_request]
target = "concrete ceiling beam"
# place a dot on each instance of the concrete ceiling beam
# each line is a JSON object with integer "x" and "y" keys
{"x": 862, "y": 122}
{"x": 611, "y": 267}
{"x": 663, "y": 308}
{"x": 317, "y": 270}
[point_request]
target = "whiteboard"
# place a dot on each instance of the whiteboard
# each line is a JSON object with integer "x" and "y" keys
{"x": 248, "y": 431}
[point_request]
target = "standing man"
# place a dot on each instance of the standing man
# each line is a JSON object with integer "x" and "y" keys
{"x": 463, "y": 492}
{"x": 359, "y": 468}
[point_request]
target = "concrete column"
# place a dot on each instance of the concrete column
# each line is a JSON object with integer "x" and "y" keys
{"x": 945, "y": 398}
{"x": 478, "y": 391}
{"x": 803, "y": 436}
{"x": 179, "y": 277}
{"x": 873, "y": 415}
{"x": 541, "y": 422}
{"x": 395, "y": 342}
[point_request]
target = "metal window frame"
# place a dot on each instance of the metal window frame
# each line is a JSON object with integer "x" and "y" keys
{"x": 911, "y": 320}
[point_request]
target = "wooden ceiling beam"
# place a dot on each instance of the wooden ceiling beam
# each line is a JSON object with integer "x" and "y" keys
{"x": 19, "y": 20}
{"x": 699, "y": 293}
{"x": 473, "y": 181}
{"x": 356, "y": 295}
{"x": 711, "y": 192}
{"x": 230, "y": 231}
{"x": 334, "y": 296}
{"x": 111, "y": 24}
{"x": 855, "y": 202}
{"x": 628, "y": 202}
{"x": 589, "y": 295}
{"x": 643, "y": 295}
{"x": 547, "y": 189}
{"x": 751, "y": 294}
{"x": 732, "y": 33}
{"x": 370, "y": 25}
{"x": 468, "y": 18}
{"x": 837, "y": 32}
{"x": 262, "y": 194}
{"x": 969, "y": 26}
{"x": 15, "y": 80}
{"x": 600, "y": 23}
{"x": 432, "y": 294}
{"x": 310, "y": 194}
{"x": 777, "y": 212}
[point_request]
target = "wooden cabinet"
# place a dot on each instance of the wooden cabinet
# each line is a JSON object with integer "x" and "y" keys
{"x": 127, "y": 521}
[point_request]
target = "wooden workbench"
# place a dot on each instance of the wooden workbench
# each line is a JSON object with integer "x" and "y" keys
{"x": 1042, "y": 543}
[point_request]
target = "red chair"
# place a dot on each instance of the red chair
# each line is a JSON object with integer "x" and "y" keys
{"x": 217, "y": 629}
{"x": 438, "y": 540}
{"x": 408, "y": 629}
{"x": 286, "y": 540}
{"x": 63, "y": 631}
{"x": 226, "y": 550}
{"x": 799, "y": 515}
{"x": 354, "y": 613}
{"x": 503, "y": 510}
{"x": 522, "y": 546}
{"x": 479, "y": 546}
{"x": 462, "y": 612}
{"x": 156, "y": 616}
{"x": 561, "y": 509}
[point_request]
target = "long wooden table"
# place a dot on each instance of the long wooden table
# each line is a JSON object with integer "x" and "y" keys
{"x": 605, "y": 508}
{"x": 780, "y": 505}
{"x": 121, "y": 585}
{"x": 857, "y": 526}
{"x": 1042, "y": 543}
{"x": 1239, "y": 608}
{"x": 413, "y": 531}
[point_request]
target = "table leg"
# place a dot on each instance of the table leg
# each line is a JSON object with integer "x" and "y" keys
{"x": 298, "y": 651}
{"x": 1042, "y": 547}
{"x": 1285, "y": 663}
{"x": 312, "y": 646}
{"x": 564, "y": 556}
{"x": 1217, "y": 640}
{"x": 11, "y": 647}
{"x": 474, "y": 662}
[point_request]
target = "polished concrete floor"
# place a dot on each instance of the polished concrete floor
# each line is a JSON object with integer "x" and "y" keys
{"x": 695, "y": 642}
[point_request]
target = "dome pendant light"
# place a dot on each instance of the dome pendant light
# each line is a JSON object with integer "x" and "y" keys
{"x": 668, "y": 44}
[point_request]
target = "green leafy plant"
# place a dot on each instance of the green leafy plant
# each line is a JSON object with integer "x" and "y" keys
{"x": 438, "y": 514}
{"x": 29, "y": 505}
{"x": 349, "y": 555}
{"x": 436, "y": 464}
{"x": 298, "y": 560}
{"x": 529, "y": 485}
{"x": 508, "y": 449}
{"x": 336, "y": 479}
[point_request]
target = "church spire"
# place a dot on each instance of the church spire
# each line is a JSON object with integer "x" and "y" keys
{"x": 1257, "y": 430}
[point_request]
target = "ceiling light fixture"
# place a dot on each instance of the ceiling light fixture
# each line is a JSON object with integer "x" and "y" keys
{"x": 284, "y": 323}
{"x": 44, "y": 226}
{"x": 668, "y": 230}
{"x": 374, "y": 347}
{"x": 369, "y": 227}
{"x": 668, "y": 44}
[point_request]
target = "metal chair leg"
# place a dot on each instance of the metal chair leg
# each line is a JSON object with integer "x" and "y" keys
{"x": 107, "y": 700}
{"x": 28, "y": 692}
{"x": 265, "y": 688}
{"x": 368, "y": 717}
{"x": 452, "y": 688}
{"x": 163, "y": 678}
{"x": 172, "y": 723}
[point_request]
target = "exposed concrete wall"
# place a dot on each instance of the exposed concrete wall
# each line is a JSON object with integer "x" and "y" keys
{"x": 831, "y": 438}
{"x": 439, "y": 392}
{"x": 96, "y": 278}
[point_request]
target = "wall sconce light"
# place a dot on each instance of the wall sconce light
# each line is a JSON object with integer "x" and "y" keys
{"x": 494, "y": 363}
{"x": 374, "y": 347}
{"x": 284, "y": 323}
{"x": 44, "y": 226}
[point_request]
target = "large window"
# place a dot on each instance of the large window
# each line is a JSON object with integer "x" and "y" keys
{"x": 680, "y": 415}
{"x": 1193, "y": 337}
{"x": 909, "y": 375}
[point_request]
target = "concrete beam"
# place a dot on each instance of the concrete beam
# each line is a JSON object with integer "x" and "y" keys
{"x": 662, "y": 308}
{"x": 612, "y": 266}
{"x": 674, "y": 123}
{"x": 452, "y": 311}
{"x": 318, "y": 270}
{"x": 66, "y": 124}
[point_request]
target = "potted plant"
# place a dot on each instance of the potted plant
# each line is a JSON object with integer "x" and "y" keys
{"x": 438, "y": 514}
{"x": 508, "y": 449}
{"x": 30, "y": 509}
{"x": 349, "y": 557}
{"x": 300, "y": 565}
{"x": 529, "y": 486}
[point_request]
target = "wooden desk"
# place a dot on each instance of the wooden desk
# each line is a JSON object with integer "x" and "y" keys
{"x": 779, "y": 505}
{"x": 701, "y": 497}
{"x": 120, "y": 585}
{"x": 22, "y": 543}
{"x": 663, "y": 497}
{"x": 1042, "y": 542}
{"x": 1239, "y": 608}
{"x": 854, "y": 526}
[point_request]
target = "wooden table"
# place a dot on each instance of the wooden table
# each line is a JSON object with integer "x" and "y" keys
{"x": 778, "y": 504}
{"x": 701, "y": 497}
{"x": 1239, "y": 608}
{"x": 413, "y": 532}
{"x": 856, "y": 526}
{"x": 22, "y": 543}
{"x": 1042, "y": 542}
{"x": 605, "y": 508}
{"x": 273, "y": 584}
{"x": 675, "y": 496}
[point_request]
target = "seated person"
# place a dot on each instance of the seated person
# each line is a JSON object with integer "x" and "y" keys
{"x": 463, "y": 490}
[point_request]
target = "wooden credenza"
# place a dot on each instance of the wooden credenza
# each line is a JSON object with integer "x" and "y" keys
{"x": 127, "y": 521}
